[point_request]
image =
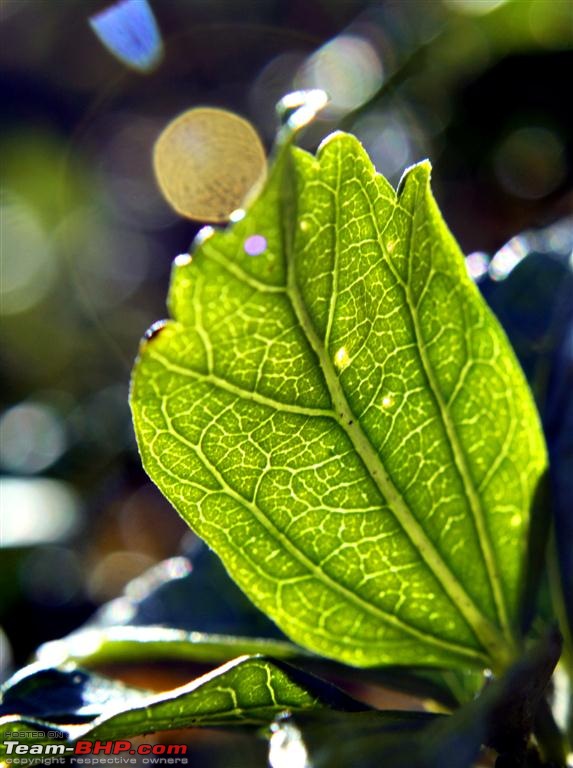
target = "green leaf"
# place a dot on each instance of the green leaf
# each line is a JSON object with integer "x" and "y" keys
{"x": 246, "y": 691}
{"x": 134, "y": 644}
{"x": 343, "y": 420}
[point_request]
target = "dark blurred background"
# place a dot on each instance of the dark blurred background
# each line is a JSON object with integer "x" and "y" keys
{"x": 481, "y": 87}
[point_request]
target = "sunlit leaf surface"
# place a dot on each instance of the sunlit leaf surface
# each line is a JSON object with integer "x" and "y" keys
{"x": 343, "y": 420}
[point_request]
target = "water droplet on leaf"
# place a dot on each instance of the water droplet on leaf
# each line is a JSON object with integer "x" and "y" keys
{"x": 237, "y": 215}
{"x": 477, "y": 264}
{"x": 155, "y": 330}
{"x": 204, "y": 234}
{"x": 182, "y": 260}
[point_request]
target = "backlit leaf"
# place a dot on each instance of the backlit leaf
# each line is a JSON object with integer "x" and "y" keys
{"x": 343, "y": 420}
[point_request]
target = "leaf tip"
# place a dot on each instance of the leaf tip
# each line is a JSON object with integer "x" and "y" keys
{"x": 332, "y": 137}
{"x": 346, "y": 140}
{"x": 419, "y": 173}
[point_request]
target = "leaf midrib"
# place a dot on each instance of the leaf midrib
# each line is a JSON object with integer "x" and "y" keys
{"x": 313, "y": 568}
{"x": 488, "y": 635}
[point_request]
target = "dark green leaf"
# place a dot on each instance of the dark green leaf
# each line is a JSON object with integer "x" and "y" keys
{"x": 502, "y": 717}
{"x": 365, "y": 739}
{"x": 246, "y": 691}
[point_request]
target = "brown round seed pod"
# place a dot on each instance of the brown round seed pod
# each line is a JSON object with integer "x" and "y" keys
{"x": 207, "y": 161}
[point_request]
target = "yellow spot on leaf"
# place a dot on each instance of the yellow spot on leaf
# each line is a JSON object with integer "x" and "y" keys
{"x": 341, "y": 358}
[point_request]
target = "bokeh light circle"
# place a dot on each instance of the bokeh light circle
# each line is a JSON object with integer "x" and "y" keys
{"x": 207, "y": 161}
{"x": 32, "y": 438}
{"x": 530, "y": 162}
{"x": 387, "y": 138}
{"x": 28, "y": 265}
{"x": 347, "y": 68}
{"x": 475, "y": 7}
